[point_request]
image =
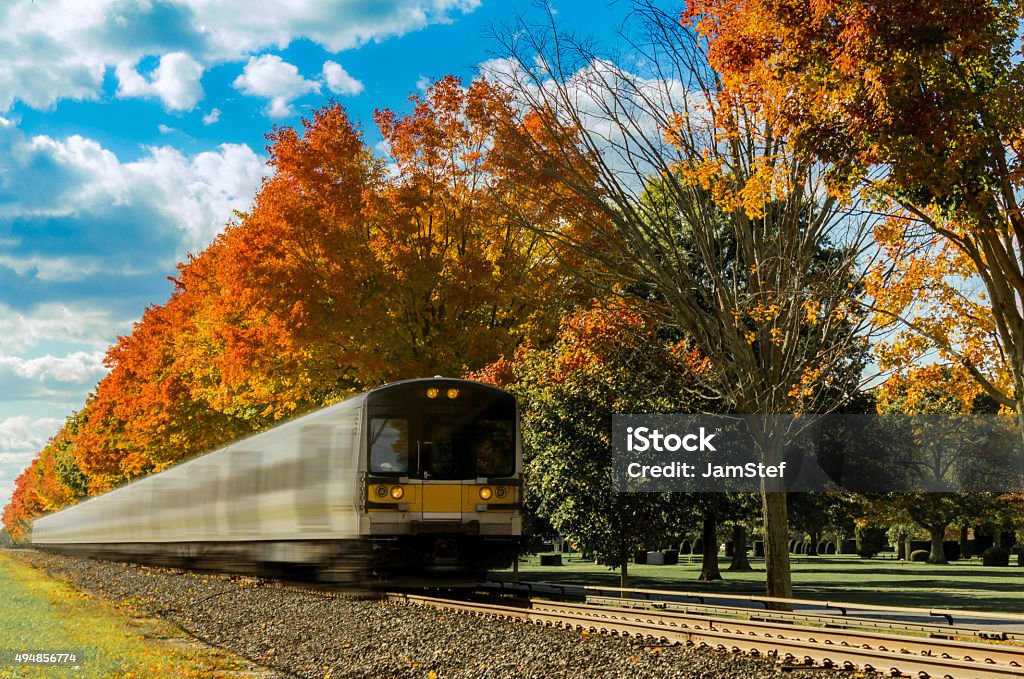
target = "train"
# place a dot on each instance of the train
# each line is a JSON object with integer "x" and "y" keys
{"x": 418, "y": 480}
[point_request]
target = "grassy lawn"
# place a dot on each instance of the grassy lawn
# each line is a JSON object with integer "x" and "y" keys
{"x": 41, "y": 614}
{"x": 959, "y": 584}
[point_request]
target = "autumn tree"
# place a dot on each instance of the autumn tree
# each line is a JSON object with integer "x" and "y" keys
{"x": 347, "y": 274}
{"x": 920, "y": 103}
{"x": 772, "y": 315}
{"x": 350, "y": 270}
{"x": 604, "y": 361}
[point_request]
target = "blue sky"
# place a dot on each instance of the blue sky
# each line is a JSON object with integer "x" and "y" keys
{"x": 131, "y": 129}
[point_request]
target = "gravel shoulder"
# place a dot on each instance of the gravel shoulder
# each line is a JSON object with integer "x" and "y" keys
{"x": 306, "y": 634}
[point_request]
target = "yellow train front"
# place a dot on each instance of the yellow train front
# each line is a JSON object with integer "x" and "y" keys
{"x": 440, "y": 478}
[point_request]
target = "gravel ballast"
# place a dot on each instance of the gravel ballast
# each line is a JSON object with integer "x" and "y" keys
{"x": 298, "y": 633}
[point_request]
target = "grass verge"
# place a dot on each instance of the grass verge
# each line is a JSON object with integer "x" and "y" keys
{"x": 40, "y": 614}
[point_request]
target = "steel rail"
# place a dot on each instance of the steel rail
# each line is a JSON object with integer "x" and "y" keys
{"x": 661, "y": 596}
{"x": 796, "y": 651}
{"x": 972, "y": 651}
{"x": 825, "y": 619}
{"x": 946, "y": 613}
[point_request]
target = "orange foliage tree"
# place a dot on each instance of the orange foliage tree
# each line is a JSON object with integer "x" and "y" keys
{"x": 349, "y": 271}
{"x": 921, "y": 103}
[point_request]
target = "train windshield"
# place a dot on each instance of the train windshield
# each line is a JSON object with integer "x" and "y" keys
{"x": 389, "y": 445}
{"x": 469, "y": 435}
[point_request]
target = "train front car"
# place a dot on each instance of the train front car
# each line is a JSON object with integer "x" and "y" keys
{"x": 442, "y": 478}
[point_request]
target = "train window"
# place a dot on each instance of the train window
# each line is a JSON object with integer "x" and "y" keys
{"x": 389, "y": 445}
{"x": 494, "y": 448}
{"x": 439, "y": 460}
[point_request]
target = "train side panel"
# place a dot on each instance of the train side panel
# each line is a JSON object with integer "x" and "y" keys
{"x": 295, "y": 482}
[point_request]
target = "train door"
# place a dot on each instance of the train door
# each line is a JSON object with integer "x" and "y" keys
{"x": 440, "y": 471}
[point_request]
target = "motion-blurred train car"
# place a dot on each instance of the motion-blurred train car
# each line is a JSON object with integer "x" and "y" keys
{"x": 415, "y": 478}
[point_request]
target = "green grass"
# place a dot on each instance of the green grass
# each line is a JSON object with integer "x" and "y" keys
{"x": 958, "y": 585}
{"x": 42, "y": 614}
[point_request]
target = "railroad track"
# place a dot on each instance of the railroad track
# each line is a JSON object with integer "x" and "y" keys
{"x": 828, "y": 613}
{"x": 795, "y": 645}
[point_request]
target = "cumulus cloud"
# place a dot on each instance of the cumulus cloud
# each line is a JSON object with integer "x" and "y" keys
{"x": 188, "y": 199}
{"x": 211, "y": 117}
{"x": 175, "y": 81}
{"x": 61, "y": 49}
{"x": 339, "y": 81}
{"x": 21, "y": 438}
{"x": 92, "y": 326}
{"x": 271, "y": 77}
{"x": 80, "y": 366}
{"x": 24, "y": 433}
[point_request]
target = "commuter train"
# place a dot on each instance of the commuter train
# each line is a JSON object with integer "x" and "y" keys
{"x": 420, "y": 479}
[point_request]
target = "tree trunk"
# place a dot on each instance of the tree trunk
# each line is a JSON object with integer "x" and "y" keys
{"x": 778, "y": 579}
{"x": 937, "y": 532}
{"x": 709, "y": 554}
{"x": 812, "y": 548}
{"x": 776, "y": 548}
{"x": 965, "y": 545}
{"x": 624, "y": 574}
{"x": 739, "y": 549}
{"x": 901, "y": 549}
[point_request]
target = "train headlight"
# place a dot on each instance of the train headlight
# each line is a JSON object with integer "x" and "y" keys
{"x": 453, "y": 393}
{"x": 501, "y": 492}
{"x": 397, "y": 493}
{"x": 433, "y": 392}
{"x": 381, "y": 491}
{"x": 485, "y": 493}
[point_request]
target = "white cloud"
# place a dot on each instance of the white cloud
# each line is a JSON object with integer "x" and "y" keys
{"x": 61, "y": 268}
{"x": 337, "y": 25}
{"x": 80, "y": 366}
{"x": 164, "y": 129}
{"x": 423, "y": 83}
{"x": 271, "y": 77}
{"x": 339, "y": 81}
{"x": 201, "y": 193}
{"x": 92, "y": 326}
{"x": 176, "y": 82}
{"x": 21, "y": 438}
{"x": 61, "y": 49}
{"x": 187, "y": 198}
{"x": 25, "y": 434}
{"x": 211, "y": 117}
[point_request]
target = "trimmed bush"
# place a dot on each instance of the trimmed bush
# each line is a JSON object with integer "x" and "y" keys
{"x": 792, "y": 546}
{"x": 671, "y": 557}
{"x": 919, "y": 555}
{"x": 870, "y": 541}
{"x": 684, "y": 547}
{"x": 982, "y": 542}
{"x": 698, "y": 546}
{"x": 758, "y": 548}
{"x": 848, "y": 547}
{"x": 995, "y": 556}
{"x": 550, "y": 559}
